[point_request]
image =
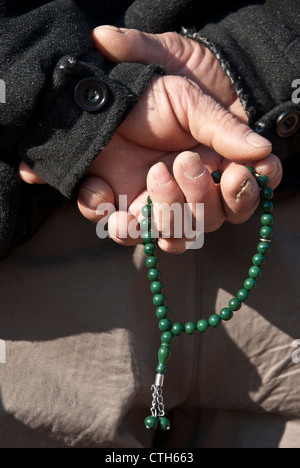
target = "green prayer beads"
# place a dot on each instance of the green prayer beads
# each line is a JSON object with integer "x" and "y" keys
{"x": 243, "y": 294}
{"x": 226, "y": 314}
{"x": 170, "y": 330}
{"x": 190, "y": 328}
{"x": 234, "y": 304}
{"x": 216, "y": 175}
{"x": 177, "y": 329}
{"x": 202, "y": 325}
{"x": 151, "y": 422}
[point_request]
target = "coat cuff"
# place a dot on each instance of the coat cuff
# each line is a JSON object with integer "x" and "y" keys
{"x": 70, "y": 128}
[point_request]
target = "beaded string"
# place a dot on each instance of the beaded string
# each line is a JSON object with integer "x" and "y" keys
{"x": 169, "y": 330}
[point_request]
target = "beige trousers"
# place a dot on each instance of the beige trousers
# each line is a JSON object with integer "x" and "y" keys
{"x": 81, "y": 338}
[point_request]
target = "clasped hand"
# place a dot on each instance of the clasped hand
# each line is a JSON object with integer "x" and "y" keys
{"x": 187, "y": 124}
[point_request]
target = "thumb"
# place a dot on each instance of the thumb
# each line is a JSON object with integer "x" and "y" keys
{"x": 130, "y": 45}
{"x": 212, "y": 125}
{"x": 174, "y": 114}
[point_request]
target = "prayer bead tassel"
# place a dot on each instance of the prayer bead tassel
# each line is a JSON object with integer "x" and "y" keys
{"x": 157, "y": 418}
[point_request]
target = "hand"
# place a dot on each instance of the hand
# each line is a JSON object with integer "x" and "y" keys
{"x": 173, "y": 115}
{"x": 177, "y": 55}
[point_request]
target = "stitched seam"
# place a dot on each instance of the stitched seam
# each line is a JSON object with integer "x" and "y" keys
{"x": 226, "y": 67}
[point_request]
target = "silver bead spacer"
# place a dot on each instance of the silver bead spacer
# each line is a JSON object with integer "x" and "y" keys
{"x": 266, "y": 240}
{"x": 159, "y": 380}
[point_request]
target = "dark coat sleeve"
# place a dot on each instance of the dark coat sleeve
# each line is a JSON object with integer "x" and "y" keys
{"x": 45, "y": 53}
{"x": 258, "y": 47}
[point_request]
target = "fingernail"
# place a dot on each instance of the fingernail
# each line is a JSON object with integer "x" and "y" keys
{"x": 192, "y": 166}
{"x": 246, "y": 190}
{"x": 256, "y": 140}
{"x": 109, "y": 27}
{"x": 272, "y": 169}
{"x": 90, "y": 199}
{"x": 161, "y": 174}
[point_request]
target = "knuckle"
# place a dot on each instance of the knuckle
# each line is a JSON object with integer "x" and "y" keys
{"x": 240, "y": 217}
{"x": 222, "y": 117}
{"x": 171, "y": 41}
{"x": 214, "y": 224}
{"x": 175, "y": 247}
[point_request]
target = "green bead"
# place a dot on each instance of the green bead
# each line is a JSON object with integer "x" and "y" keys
{"x": 243, "y": 295}
{"x": 150, "y": 249}
{"x": 167, "y": 337}
{"x": 163, "y": 355}
{"x": 214, "y": 321}
{"x": 217, "y": 175}
{"x": 252, "y": 170}
{"x": 266, "y": 232}
{"x": 148, "y": 237}
{"x": 263, "y": 181}
{"x": 151, "y": 422}
{"x": 149, "y": 201}
{"x": 151, "y": 262}
{"x": 258, "y": 259}
{"x": 165, "y": 325}
{"x": 267, "y": 206}
{"x": 226, "y": 314}
{"x": 267, "y": 193}
{"x": 177, "y": 329}
{"x": 202, "y": 325}
{"x": 164, "y": 424}
{"x": 267, "y": 219}
{"x": 250, "y": 284}
{"x": 263, "y": 248}
{"x": 190, "y": 328}
{"x": 234, "y": 304}
{"x": 159, "y": 300}
{"x": 146, "y": 211}
{"x": 145, "y": 224}
{"x": 161, "y": 369}
{"x": 156, "y": 287}
{"x": 162, "y": 312}
{"x": 255, "y": 272}
{"x": 165, "y": 345}
{"x": 153, "y": 274}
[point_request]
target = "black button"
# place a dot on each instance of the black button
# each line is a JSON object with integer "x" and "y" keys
{"x": 288, "y": 123}
{"x": 91, "y": 94}
{"x": 260, "y": 127}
